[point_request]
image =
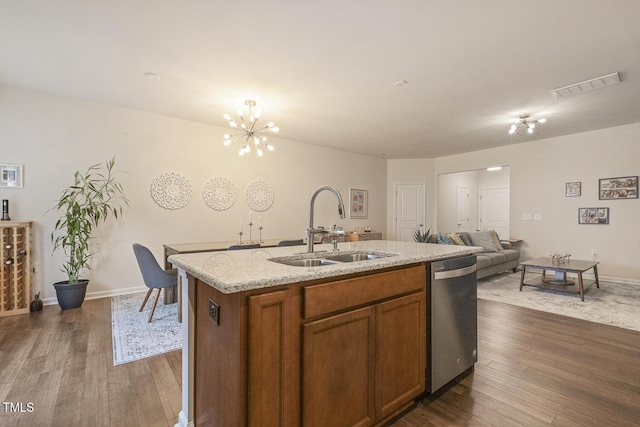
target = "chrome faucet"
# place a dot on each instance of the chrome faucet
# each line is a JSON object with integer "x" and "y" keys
{"x": 310, "y": 231}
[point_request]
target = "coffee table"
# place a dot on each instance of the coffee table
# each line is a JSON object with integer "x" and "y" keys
{"x": 559, "y": 281}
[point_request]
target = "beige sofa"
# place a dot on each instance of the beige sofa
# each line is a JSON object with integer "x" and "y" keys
{"x": 497, "y": 256}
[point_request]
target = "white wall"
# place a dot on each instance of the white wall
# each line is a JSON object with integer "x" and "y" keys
{"x": 538, "y": 173}
{"x": 54, "y": 136}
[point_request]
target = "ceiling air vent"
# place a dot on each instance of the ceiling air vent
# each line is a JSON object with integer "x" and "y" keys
{"x": 586, "y": 86}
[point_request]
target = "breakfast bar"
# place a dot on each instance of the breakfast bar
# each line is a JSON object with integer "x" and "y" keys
{"x": 275, "y": 337}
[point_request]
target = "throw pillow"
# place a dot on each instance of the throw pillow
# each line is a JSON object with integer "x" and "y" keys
{"x": 466, "y": 239}
{"x": 443, "y": 239}
{"x": 456, "y": 239}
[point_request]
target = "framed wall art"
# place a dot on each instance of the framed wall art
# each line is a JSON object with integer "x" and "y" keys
{"x": 593, "y": 215}
{"x": 573, "y": 189}
{"x": 357, "y": 203}
{"x": 11, "y": 176}
{"x": 625, "y": 187}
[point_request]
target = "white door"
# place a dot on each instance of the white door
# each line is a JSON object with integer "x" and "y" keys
{"x": 462, "y": 209}
{"x": 494, "y": 210}
{"x": 409, "y": 210}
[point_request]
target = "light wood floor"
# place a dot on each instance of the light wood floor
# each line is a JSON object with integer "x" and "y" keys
{"x": 534, "y": 369}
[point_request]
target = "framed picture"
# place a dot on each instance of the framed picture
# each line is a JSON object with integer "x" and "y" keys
{"x": 625, "y": 187}
{"x": 357, "y": 203}
{"x": 11, "y": 176}
{"x": 593, "y": 215}
{"x": 573, "y": 189}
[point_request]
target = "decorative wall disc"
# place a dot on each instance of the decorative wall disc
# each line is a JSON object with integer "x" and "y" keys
{"x": 171, "y": 190}
{"x": 259, "y": 195}
{"x": 219, "y": 193}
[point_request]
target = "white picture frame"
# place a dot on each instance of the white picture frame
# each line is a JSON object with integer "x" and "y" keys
{"x": 358, "y": 203}
{"x": 10, "y": 176}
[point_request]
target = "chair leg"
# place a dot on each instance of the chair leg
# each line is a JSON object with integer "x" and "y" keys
{"x": 155, "y": 302}
{"x": 145, "y": 299}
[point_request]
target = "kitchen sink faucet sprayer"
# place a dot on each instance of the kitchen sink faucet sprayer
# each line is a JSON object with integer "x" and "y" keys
{"x": 310, "y": 231}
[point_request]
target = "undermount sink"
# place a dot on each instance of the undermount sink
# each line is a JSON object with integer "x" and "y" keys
{"x": 329, "y": 259}
{"x": 353, "y": 257}
{"x": 303, "y": 262}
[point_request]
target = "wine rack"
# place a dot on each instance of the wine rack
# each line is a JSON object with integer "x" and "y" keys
{"x": 15, "y": 268}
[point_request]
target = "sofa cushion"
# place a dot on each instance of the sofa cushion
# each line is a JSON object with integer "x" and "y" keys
{"x": 487, "y": 240}
{"x": 483, "y": 261}
{"x": 496, "y": 257}
{"x": 511, "y": 254}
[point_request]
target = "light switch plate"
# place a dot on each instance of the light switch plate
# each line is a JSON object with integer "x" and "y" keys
{"x": 526, "y": 217}
{"x": 537, "y": 217}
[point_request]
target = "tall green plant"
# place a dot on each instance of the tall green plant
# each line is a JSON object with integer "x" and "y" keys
{"x": 419, "y": 236}
{"x": 94, "y": 196}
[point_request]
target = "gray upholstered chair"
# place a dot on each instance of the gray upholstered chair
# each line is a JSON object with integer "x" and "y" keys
{"x": 298, "y": 242}
{"x": 237, "y": 247}
{"x": 153, "y": 275}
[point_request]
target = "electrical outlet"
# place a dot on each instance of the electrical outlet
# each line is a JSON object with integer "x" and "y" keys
{"x": 594, "y": 253}
{"x": 214, "y": 312}
{"x": 537, "y": 217}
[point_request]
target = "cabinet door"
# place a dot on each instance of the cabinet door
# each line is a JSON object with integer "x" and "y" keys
{"x": 271, "y": 369}
{"x": 401, "y": 350}
{"x": 338, "y": 370}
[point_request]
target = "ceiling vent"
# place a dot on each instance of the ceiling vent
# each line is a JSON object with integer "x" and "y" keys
{"x": 586, "y": 86}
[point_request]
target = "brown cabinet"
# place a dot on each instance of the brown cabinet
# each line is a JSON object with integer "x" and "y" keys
{"x": 343, "y": 353}
{"x": 15, "y": 267}
{"x": 364, "y": 366}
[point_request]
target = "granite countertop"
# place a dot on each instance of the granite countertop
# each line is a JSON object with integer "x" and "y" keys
{"x": 236, "y": 271}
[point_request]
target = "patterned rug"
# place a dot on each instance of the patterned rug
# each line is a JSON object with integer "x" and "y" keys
{"x": 614, "y": 304}
{"x": 133, "y": 337}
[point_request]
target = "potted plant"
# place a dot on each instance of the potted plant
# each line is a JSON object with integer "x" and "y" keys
{"x": 419, "y": 236}
{"x": 94, "y": 197}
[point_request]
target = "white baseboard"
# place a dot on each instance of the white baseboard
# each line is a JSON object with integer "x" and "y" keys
{"x": 103, "y": 294}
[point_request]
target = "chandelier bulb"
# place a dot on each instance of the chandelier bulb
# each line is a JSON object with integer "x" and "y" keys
{"x": 259, "y": 152}
{"x": 542, "y": 121}
{"x": 270, "y": 147}
{"x": 530, "y": 130}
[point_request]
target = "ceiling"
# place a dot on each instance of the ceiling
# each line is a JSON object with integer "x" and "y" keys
{"x": 325, "y": 71}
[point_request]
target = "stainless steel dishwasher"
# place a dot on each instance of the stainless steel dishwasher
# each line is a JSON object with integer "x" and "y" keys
{"x": 452, "y": 320}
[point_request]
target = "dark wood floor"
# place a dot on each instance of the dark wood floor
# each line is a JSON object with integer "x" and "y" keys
{"x": 535, "y": 369}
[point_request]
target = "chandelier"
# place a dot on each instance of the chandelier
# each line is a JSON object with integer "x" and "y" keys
{"x": 525, "y": 121}
{"x": 248, "y": 132}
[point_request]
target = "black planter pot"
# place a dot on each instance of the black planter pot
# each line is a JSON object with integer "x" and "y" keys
{"x": 71, "y": 296}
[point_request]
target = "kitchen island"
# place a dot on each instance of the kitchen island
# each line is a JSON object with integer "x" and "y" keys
{"x": 268, "y": 343}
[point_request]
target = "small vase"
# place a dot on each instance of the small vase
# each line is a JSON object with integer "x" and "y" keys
{"x": 71, "y": 296}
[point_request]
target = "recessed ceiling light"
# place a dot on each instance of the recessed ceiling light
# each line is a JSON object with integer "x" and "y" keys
{"x": 401, "y": 83}
{"x": 151, "y": 75}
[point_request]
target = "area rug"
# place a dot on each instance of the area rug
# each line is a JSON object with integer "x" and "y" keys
{"x": 615, "y": 304}
{"x": 133, "y": 337}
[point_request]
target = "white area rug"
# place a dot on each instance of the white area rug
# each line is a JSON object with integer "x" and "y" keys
{"x": 133, "y": 337}
{"x": 615, "y": 304}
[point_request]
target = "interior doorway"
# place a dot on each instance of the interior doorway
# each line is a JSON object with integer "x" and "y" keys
{"x": 462, "y": 204}
{"x": 410, "y": 210}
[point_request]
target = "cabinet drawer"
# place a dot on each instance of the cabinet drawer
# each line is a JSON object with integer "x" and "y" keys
{"x": 335, "y": 296}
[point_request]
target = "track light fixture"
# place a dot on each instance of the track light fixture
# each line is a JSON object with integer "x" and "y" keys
{"x": 526, "y": 122}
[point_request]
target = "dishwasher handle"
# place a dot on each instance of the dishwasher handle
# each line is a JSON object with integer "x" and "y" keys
{"x": 449, "y": 274}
